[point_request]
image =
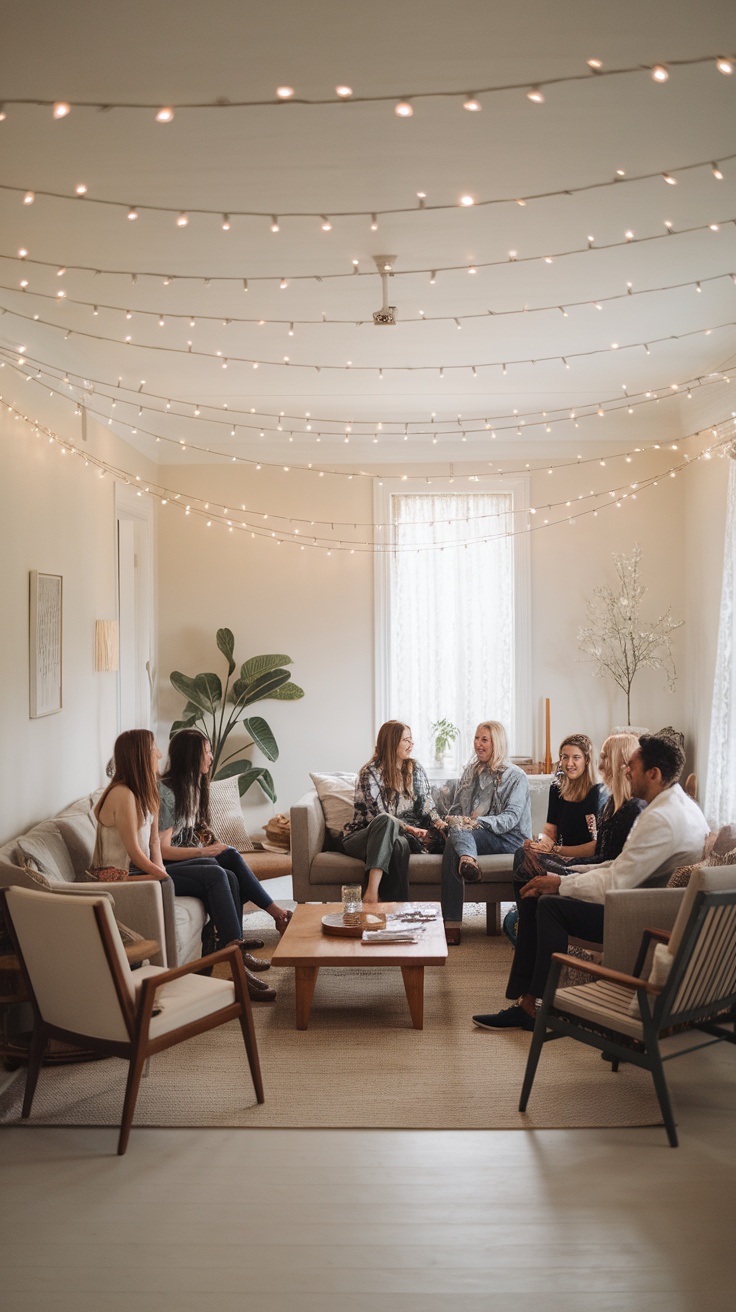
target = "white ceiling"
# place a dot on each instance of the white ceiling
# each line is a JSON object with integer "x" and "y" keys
{"x": 362, "y": 157}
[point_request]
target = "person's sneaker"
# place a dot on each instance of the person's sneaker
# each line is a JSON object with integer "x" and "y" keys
{"x": 511, "y": 1018}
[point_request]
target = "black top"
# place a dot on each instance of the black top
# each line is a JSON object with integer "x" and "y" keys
{"x": 614, "y": 828}
{"x": 569, "y": 817}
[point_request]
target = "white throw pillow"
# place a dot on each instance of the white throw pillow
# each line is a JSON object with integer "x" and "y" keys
{"x": 336, "y": 793}
{"x": 226, "y": 815}
{"x": 658, "y": 975}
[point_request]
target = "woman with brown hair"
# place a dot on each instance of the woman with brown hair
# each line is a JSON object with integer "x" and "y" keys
{"x": 575, "y": 801}
{"x": 127, "y": 838}
{"x": 393, "y": 803}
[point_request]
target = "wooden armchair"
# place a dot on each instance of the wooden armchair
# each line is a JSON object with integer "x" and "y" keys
{"x": 696, "y": 989}
{"x": 83, "y": 991}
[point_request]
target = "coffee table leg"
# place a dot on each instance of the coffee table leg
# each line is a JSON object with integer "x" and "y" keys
{"x": 306, "y": 978}
{"x": 414, "y": 985}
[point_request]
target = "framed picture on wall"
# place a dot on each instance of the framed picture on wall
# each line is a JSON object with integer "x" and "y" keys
{"x": 45, "y": 644}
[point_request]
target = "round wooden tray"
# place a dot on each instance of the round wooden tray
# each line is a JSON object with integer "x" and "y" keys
{"x": 333, "y": 924}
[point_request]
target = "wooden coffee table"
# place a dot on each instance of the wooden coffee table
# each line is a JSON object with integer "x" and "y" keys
{"x": 306, "y": 948}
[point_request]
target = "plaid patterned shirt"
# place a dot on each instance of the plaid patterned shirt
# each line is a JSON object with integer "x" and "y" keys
{"x": 371, "y": 799}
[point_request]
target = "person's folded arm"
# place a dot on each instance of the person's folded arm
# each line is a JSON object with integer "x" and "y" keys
{"x": 646, "y": 850}
{"x": 512, "y": 815}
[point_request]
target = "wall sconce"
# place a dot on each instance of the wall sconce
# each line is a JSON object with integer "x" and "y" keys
{"x": 106, "y": 644}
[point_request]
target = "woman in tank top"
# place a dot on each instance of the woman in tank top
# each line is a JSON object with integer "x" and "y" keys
{"x": 127, "y": 837}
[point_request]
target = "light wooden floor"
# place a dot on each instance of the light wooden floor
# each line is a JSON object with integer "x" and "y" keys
{"x": 379, "y": 1221}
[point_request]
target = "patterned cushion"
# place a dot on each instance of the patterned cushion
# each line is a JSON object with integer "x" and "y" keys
{"x": 45, "y": 846}
{"x": 226, "y": 815}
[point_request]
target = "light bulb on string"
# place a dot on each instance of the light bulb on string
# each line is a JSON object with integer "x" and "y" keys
{"x": 467, "y": 200}
{"x": 659, "y": 73}
{"x": 226, "y": 223}
{"x": 403, "y": 109}
{"x": 326, "y": 225}
{"x": 29, "y": 198}
{"x": 132, "y": 212}
{"x": 182, "y": 220}
{"x": 668, "y": 178}
{"x": 61, "y": 109}
{"x": 535, "y": 95}
{"x": 343, "y": 92}
{"x": 284, "y": 93}
{"x": 717, "y": 173}
{"x": 165, "y": 114}
{"x": 472, "y": 104}
{"x": 275, "y": 223}
{"x": 595, "y": 64}
{"x": 80, "y": 189}
{"x": 724, "y": 65}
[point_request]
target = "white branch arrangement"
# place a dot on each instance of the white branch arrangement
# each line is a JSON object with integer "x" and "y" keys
{"x": 618, "y": 640}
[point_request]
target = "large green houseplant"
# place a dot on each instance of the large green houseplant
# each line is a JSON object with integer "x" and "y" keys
{"x": 217, "y": 711}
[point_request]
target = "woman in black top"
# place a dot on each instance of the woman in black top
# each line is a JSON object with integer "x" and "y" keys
{"x": 618, "y": 815}
{"x": 574, "y": 805}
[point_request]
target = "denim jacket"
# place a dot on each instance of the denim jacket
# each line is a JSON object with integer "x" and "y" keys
{"x": 499, "y": 799}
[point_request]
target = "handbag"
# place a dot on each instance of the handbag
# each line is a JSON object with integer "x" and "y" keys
{"x": 108, "y": 874}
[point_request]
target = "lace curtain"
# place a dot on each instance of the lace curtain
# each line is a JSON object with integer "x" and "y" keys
{"x": 452, "y": 616}
{"x": 720, "y": 796}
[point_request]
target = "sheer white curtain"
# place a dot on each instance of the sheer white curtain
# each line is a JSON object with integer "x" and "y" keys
{"x": 452, "y": 615}
{"x": 720, "y": 795}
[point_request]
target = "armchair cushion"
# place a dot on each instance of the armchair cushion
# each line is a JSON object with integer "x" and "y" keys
{"x": 183, "y": 1000}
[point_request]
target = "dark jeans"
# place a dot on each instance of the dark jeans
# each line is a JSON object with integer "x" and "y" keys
{"x": 382, "y": 846}
{"x": 223, "y": 884}
{"x": 468, "y": 842}
{"x": 545, "y": 924}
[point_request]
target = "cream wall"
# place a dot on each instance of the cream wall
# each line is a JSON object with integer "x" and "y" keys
{"x": 55, "y": 516}
{"x": 319, "y": 609}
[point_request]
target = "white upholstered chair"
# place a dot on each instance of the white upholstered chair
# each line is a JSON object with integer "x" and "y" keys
{"x": 83, "y": 990}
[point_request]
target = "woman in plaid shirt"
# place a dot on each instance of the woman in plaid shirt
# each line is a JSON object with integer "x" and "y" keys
{"x": 392, "y": 800}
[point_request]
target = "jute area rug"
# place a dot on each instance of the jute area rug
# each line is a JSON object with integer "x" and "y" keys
{"x": 360, "y": 1063}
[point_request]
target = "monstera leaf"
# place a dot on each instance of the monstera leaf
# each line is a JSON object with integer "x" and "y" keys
{"x": 259, "y": 678}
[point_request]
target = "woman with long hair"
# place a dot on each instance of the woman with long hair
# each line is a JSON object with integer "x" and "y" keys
{"x": 393, "y": 805}
{"x": 491, "y": 813}
{"x": 575, "y": 801}
{"x": 127, "y": 837}
{"x": 200, "y": 866}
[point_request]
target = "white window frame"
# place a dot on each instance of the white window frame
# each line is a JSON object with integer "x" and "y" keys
{"x": 519, "y": 486}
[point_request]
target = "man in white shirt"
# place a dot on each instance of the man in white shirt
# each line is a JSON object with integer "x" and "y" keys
{"x": 670, "y": 832}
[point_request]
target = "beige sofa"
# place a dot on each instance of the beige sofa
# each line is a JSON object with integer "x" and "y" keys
{"x": 318, "y": 874}
{"x": 59, "y": 850}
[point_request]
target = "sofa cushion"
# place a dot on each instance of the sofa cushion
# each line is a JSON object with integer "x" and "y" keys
{"x": 78, "y": 830}
{"x": 336, "y": 793}
{"x": 336, "y": 868}
{"x": 226, "y": 815}
{"x": 45, "y": 847}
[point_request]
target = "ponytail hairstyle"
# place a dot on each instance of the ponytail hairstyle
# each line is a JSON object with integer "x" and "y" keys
{"x": 135, "y": 768}
{"x": 183, "y": 775}
{"x": 576, "y": 790}
{"x": 397, "y": 779}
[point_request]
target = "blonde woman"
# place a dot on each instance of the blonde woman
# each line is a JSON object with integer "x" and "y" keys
{"x": 393, "y": 803}
{"x": 491, "y": 813}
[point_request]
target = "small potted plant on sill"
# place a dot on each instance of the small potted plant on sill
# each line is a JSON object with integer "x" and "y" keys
{"x": 445, "y": 734}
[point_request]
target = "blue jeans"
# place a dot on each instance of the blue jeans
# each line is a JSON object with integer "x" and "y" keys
{"x": 223, "y": 884}
{"x": 468, "y": 842}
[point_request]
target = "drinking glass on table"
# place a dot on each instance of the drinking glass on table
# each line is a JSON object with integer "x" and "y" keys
{"x": 352, "y": 904}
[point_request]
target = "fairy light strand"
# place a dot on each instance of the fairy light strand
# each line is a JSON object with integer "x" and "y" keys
{"x": 182, "y": 213}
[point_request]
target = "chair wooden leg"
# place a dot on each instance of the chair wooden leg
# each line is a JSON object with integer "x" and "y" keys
{"x": 493, "y": 918}
{"x": 35, "y": 1057}
{"x": 249, "y": 1037}
{"x": 535, "y": 1053}
{"x": 135, "y": 1071}
{"x": 663, "y": 1095}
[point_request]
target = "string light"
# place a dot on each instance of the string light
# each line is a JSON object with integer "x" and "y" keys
{"x": 724, "y": 65}
{"x": 722, "y": 445}
{"x": 80, "y": 189}
{"x": 403, "y": 109}
{"x": 61, "y": 109}
{"x": 284, "y": 93}
{"x": 659, "y": 73}
{"x": 343, "y": 92}
{"x": 467, "y": 200}
{"x": 182, "y": 220}
{"x": 535, "y": 95}
{"x": 29, "y": 197}
{"x": 165, "y": 115}
{"x": 226, "y": 223}
{"x": 472, "y": 104}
